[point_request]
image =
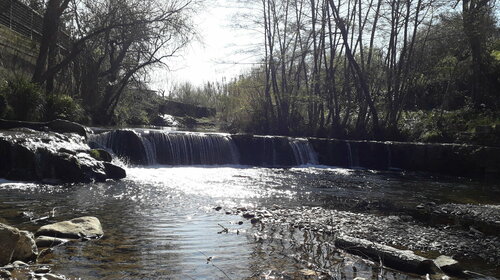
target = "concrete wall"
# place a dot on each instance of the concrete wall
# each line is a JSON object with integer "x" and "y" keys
{"x": 449, "y": 159}
{"x": 17, "y": 53}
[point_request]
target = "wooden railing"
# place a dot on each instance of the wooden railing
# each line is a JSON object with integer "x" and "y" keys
{"x": 24, "y": 20}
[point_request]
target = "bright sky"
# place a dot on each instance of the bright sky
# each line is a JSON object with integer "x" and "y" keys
{"x": 224, "y": 50}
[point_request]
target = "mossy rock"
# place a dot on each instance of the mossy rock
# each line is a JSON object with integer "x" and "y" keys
{"x": 100, "y": 154}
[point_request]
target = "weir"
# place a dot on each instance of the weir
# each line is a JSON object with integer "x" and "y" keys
{"x": 149, "y": 147}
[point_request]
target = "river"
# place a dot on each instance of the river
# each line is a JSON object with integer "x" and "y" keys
{"x": 161, "y": 222}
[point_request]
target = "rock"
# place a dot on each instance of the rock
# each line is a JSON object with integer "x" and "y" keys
{"x": 19, "y": 264}
{"x": 9, "y": 237}
{"x": 254, "y": 220}
{"x": 26, "y": 249}
{"x": 42, "y": 269}
{"x": 218, "y": 208}
{"x": 4, "y": 274}
{"x": 404, "y": 260}
{"x": 63, "y": 126}
{"x": 309, "y": 273}
{"x": 113, "y": 171}
{"x": 60, "y": 126}
{"x": 100, "y": 154}
{"x": 50, "y": 276}
{"x": 48, "y": 241}
{"x": 248, "y": 215}
{"x": 83, "y": 227}
{"x": 449, "y": 266}
{"x": 52, "y": 157}
{"x": 44, "y": 255}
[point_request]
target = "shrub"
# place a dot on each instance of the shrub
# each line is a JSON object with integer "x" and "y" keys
{"x": 61, "y": 106}
{"x": 23, "y": 100}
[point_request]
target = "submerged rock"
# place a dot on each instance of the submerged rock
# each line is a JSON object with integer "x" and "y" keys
{"x": 404, "y": 260}
{"x": 83, "y": 227}
{"x": 49, "y": 241}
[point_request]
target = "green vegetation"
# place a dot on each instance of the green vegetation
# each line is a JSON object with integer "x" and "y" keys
{"x": 22, "y": 100}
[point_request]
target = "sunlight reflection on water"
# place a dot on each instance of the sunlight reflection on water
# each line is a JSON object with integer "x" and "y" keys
{"x": 215, "y": 182}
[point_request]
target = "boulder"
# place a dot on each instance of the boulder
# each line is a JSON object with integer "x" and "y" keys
{"x": 64, "y": 126}
{"x": 53, "y": 157}
{"x": 114, "y": 172}
{"x": 9, "y": 236}
{"x": 26, "y": 249}
{"x": 60, "y": 126}
{"x": 83, "y": 227}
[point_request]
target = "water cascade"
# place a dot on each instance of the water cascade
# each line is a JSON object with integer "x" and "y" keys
{"x": 172, "y": 148}
{"x": 349, "y": 154}
{"x": 147, "y": 147}
{"x": 303, "y": 151}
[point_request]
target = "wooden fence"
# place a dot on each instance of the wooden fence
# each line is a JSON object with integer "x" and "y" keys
{"x": 22, "y": 19}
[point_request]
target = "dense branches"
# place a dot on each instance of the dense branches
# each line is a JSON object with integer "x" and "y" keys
{"x": 337, "y": 67}
{"x": 113, "y": 43}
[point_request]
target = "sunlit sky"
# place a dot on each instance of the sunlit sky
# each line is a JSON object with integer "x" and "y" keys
{"x": 223, "y": 50}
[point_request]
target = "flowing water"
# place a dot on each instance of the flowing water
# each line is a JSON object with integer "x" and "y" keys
{"x": 161, "y": 221}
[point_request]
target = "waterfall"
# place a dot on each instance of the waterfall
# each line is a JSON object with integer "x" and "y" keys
{"x": 172, "y": 148}
{"x": 192, "y": 148}
{"x": 389, "y": 155}
{"x": 303, "y": 151}
{"x": 349, "y": 154}
{"x": 145, "y": 147}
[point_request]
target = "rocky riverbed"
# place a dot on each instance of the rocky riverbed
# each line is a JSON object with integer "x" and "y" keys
{"x": 22, "y": 256}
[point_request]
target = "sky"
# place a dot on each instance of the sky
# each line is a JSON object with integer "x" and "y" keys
{"x": 223, "y": 50}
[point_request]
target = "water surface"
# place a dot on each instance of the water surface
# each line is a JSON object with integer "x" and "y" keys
{"x": 160, "y": 221}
